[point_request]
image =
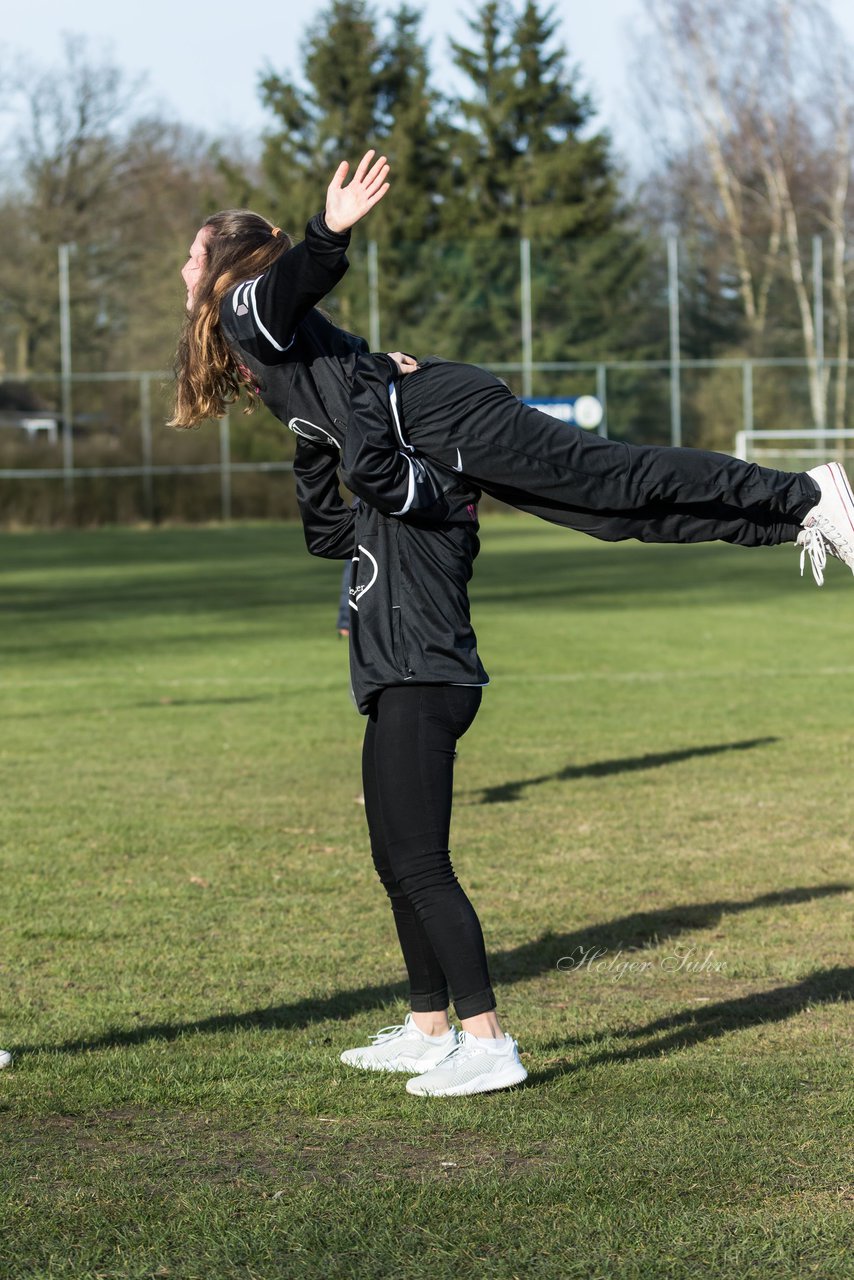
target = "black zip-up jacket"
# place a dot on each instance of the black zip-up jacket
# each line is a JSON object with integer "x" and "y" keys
{"x": 412, "y": 537}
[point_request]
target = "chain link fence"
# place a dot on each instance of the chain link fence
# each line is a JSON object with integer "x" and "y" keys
{"x": 121, "y": 464}
{"x": 92, "y": 447}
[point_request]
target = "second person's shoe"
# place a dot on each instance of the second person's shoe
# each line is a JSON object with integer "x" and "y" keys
{"x": 472, "y": 1067}
{"x": 401, "y": 1048}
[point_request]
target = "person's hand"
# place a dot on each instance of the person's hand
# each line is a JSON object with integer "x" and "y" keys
{"x": 405, "y": 363}
{"x": 346, "y": 205}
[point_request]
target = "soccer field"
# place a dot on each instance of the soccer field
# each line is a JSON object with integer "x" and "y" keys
{"x": 653, "y": 818}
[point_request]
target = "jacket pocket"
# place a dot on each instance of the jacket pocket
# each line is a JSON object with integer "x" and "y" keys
{"x": 399, "y": 643}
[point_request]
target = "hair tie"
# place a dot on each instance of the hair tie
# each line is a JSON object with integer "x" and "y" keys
{"x": 276, "y": 231}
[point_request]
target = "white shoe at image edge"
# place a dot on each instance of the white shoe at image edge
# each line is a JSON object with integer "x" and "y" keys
{"x": 401, "y": 1048}
{"x": 829, "y": 527}
{"x": 472, "y": 1068}
{"x": 5, "y": 1058}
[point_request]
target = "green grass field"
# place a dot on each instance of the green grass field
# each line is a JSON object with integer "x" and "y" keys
{"x": 653, "y": 818}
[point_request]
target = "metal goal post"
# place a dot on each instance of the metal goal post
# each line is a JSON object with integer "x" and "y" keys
{"x": 809, "y": 444}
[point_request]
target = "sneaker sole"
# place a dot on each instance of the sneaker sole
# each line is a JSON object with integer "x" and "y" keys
{"x": 512, "y": 1075}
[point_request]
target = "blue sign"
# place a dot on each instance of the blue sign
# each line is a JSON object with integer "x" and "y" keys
{"x": 583, "y": 411}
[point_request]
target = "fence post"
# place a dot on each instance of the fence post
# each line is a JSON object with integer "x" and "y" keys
{"x": 65, "y": 367}
{"x": 602, "y": 397}
{"x": 747, "y": 402}
{"x": 373, "y": 296}
{"x": 675, "y": 352}
{"x": 818, "y": 324}
{"x": 526, "y": 318}
{"x": 225, "y": 466}
{"x": 145, "y": 429}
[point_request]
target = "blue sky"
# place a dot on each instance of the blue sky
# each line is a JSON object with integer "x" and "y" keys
{"x": 202, "y": 59}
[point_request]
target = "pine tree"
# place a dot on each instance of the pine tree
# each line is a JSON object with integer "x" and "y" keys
{"x": 525, "y": 167}
{"x": 513, "y": 156}
{"x": 412, "y": 133}
{"x": 486, "y": 145}
{"x": 529, "y": 165}
{"x": 363, "y": 89}
{"x": 330, "y": 119}
{"x": 563, "y": 184}
{"x": 415, "y": 135}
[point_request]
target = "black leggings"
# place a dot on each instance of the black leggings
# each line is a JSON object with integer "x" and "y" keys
{"x": 468, "y": 421}
{"x": 408, "y": 774}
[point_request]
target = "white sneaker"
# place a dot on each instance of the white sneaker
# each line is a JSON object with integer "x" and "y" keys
{"x": 5, "y": 1058}
{"x": 829, "y": 526}
{"x": 401, "y": 1048}
{"x": 472, "y": 1067}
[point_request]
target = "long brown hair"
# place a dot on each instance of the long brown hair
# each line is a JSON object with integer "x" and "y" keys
{"x": 240, "y": 246}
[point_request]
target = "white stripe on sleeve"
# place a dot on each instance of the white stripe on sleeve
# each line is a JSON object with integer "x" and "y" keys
{"x": 265, "y": 332}
{"x": 410, "y": 494}
{"x": 392, "y": 395}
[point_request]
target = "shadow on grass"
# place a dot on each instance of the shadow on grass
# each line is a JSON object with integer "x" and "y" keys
{"x": 234, "y": 570}
{"x": 165, "y": 702}
{"x": 158, "y": 704}
{"x": 515, "y": 965}
{"x": 696, "y": 1025}
{"x": 509, "y": 791}
{"x": 639, "y": 930}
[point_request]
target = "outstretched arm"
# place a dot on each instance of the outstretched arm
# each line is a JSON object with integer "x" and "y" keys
{"x": 262, "y": 314}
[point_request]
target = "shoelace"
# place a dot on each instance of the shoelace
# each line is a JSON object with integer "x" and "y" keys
{"x": 387, "y": 1033}
{"x": 837, "y": 541}
{"x": 813, "y": 544}
{"x": 819, "y": 544}
{"x": 462, "y": 1049}
{"x": 465, "y": 1047}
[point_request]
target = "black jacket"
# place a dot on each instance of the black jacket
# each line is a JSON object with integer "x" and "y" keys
{"x": 412, "y": 538}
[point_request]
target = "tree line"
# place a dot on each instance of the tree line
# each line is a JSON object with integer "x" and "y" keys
{"x": 746, "y": 103}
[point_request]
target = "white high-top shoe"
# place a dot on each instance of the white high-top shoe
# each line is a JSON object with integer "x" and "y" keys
{"x": 828, "y": 529}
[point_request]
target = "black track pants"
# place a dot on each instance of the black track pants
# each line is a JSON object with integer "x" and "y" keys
{"x": 467, "y": 420}
{"x": 407, "y": 770}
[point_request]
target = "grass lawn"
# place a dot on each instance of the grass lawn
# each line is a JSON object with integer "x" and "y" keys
{"x": 653, "y": 818}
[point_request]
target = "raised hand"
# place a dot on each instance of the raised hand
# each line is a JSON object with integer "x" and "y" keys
{"x": 346, "y": 205}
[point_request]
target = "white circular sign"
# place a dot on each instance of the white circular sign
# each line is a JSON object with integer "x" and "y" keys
{"x": 588, "y": 411}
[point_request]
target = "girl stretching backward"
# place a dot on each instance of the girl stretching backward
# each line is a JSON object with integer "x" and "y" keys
{"x": 252, "y": 327}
